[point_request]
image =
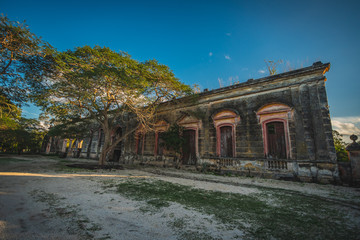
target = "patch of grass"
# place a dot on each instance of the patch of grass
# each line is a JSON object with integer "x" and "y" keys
{"x": 278, "y": 214}
{"x": 9, "y": 160}
{"x": 61, "y": 160}
{"x": 153, "y": 206}
{"x": 196, "y": 235}
{"x": 94, "y": 227}
{"x": 158, "y": 203}
{"x": 77, "y": 223}
{"x": 180, "y": 225}
{"x": 49, "y": 198}
{"x": 61, "y": 167}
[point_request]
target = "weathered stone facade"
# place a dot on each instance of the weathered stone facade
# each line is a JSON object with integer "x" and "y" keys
{"x": 278, "y": 126}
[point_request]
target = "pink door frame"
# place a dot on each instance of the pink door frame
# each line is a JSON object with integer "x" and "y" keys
{"x": 265, "y": 135}
{"x": 218, "y": 138}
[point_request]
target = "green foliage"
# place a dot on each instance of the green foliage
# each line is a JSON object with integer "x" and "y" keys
{"x": 100, "y": 84}
{"x": 9, "y": 113}
{"x": 24, "y": 59}
{"x": 16, "y": 133}
{"x": 72, "y": 129}
{"x": 173, "y": 139}
{"x": 340, "y": 146}
{"x": 26, "y": 136}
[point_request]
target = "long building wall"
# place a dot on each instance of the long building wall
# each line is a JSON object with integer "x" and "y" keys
{"x": 278, "y": 126}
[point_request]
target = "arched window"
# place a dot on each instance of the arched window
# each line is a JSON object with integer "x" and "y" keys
{"x": 190, "y": 149}
{"x": 274, "y": 119}
{"x": 225, "y": 124}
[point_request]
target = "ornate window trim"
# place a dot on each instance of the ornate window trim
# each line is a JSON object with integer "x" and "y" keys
{"x": 226, "y": 118}
{"x": 275, "y": 112}
{"x": 191, "y": 123}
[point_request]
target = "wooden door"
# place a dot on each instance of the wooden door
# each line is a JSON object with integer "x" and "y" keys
{"x": 189, "y": 147}
{"x": 226, "y": 141}
{"x": 276, "y": 140}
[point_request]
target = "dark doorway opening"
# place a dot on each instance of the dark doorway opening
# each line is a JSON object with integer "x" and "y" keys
{"x": 189, "y": 147}
{"x": 140, "y": 139}
{"x": 117, "y": 149}
{"x": 276, "y": 140}
{"x": 226, "y": 142}
{"x": 160, "y": 145}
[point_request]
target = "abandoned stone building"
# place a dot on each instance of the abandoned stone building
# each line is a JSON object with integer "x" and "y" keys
{"x": 277, "y": 126}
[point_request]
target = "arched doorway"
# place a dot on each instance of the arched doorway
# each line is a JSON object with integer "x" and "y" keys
{"x": 189, "y": 147}
{"x": 225, "y": 123}
{"x": 274, "y": 119}
{"x": 276, "y": 140}
{"x": 226, "y": 141}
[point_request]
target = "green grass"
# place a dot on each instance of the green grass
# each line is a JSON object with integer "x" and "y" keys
{"x": 9, "y": 160}
{"x": 278, "y": 214}
{"x": 61, "y": 167}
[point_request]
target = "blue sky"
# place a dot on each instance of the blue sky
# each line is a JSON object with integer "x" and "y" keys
{"x": 207, "y": 42}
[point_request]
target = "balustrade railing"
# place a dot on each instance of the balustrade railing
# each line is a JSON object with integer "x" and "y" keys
{"x": 276, "y": 164}
{"x": 224, "y": 162}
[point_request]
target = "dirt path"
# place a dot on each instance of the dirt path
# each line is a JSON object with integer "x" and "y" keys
{"x": 42, "y": 199}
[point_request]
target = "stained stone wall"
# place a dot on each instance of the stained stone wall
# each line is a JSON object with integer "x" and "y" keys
{"x": 311, "y": 147}
{"x": 296, "y": 98}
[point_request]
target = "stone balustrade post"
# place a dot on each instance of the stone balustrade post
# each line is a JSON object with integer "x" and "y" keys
{"x": 354, "y": 156}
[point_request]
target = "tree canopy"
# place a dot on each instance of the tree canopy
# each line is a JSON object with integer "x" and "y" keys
{"x": 101, "y": 84}
{"x": 24, "y": 58}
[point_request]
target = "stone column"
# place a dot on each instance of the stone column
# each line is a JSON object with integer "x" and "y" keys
{"x": 354, "y": 156}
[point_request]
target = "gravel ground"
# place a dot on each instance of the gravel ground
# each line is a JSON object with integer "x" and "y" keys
{"x": 40, "y": 199}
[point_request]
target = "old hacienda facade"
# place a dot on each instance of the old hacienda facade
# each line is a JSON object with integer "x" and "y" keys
{"x": 278, "y": 126}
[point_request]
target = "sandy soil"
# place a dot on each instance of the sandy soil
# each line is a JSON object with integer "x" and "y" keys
{"x": 39, "y": 202}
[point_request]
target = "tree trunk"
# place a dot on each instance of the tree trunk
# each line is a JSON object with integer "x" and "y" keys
{"x": 108, "y": 146}
{"x": 105, "y": 149}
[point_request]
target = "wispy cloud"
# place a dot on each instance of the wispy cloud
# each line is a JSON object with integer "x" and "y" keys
{"x": 227, "y": 57}
{"x": 351, "y": 119}
{"x": 210, "y": 54}
{"x": 228, "y": 34}
{"x": 346, "y": 126}
{"x": 261, "y": 71}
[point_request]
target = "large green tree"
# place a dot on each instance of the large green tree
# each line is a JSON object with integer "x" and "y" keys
{"x": 100, "y": 84}
{"x": 24, "y": 59}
